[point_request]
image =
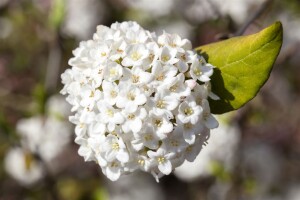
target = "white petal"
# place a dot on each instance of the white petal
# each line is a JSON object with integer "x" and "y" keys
{"x": 113, "y": 173}
{"x": 211, "y": 122}
{"x": 189, "y": 137}
{"x": 165, "y": 167}
{"x": 123, "y": 156}
{"x": 136, "y": 125}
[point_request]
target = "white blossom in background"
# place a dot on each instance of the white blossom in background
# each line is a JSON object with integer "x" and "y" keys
{"x": 156, "y": 8}
{"x": 82, "y": 16}
{"x": 221, "y": 148}
{"x": 133, "y": 94}
{"x": 45, "y": 137}
{"x": 203, "y": 10}
{"x": 21, "y": 165}
{"x": 48, "y": 135}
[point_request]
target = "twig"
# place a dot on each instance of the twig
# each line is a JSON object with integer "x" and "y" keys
{"x": 53, "y": 65}
{"x": 255, "y": 15}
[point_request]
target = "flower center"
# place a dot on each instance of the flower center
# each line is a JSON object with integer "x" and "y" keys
{"x": 110, "y": 113}
{"x": 114, "y": 164}
{"x": 115, "y": 146}
{"x": 160, "y": 77}
{"x": 141, "y": 162}
{"x": 135, "y": 78}
{"x": 165, "y": 58}
{"x": 113, "y": 94}
{"x": 197, "y": 72}
{"x": 131, "y": 116}
{"x": 148, "y": 137}
{"x": 135, "y": 56}
{"x": 174, "y": 88}
{"x": 160, "y": 104}
{"x": 113, "y": 72}
{"x": 188, "y": 111}
{"x": 161, "y": 160}
{"x": 158, "y": 122}
{"x": 131, "y": 96}
{"x": 174, "y": 143}
{"x": 103, "y": 54}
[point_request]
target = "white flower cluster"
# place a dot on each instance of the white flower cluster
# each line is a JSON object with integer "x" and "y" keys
{"x": 45, "y": 136}
{"x": 140, "y": 101}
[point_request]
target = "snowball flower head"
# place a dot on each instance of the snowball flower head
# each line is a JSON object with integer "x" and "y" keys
{"x": 139, "y": 101}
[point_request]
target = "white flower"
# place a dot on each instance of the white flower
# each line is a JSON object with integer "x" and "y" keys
{"x": 162, "y": 158}
{"x": 162, "y": 73}
{"x": 109, "y": 115}
{"x": 137, "y": 100}
{"x": 200, "y": 71}
{"x": 174, "y": 41}
{"x": 189, "y": 111}
{"x": 89, "y": 97}
{"x": 161, "y": 124}
{"x": 130, "y": 98}
{"x": 45, "y": 136}
{"x": 168, "y": 56}
{"x": 136, "y": 76}
{"x": 145, "y": 138}
{"x": 114, "y": 148}
{"x": 113, "y": 71}
{"x": 175, "y": 143}
{"x": 134, "y": 119}
{"x": 110, "y": 92}
{"x": 192, "y": 151}
{"x": 209, "y": 120}
{"x": 85, "y": 150}
{"x": 136, "y": 55}
{"x": 113, "y": 170}
{"x": 163, "y": 103}
{"x": 177, "y": 87}
{"x": 185, "y": 59}
{"x": 23, "y": 167}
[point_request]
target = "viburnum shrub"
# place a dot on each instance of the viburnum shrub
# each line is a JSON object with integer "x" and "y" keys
{"x": 142, "y": 102}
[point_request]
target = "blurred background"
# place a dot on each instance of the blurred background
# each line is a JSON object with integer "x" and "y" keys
{"x": 255, "y": 154}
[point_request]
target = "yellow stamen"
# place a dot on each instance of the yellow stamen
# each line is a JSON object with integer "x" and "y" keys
{"x": 135, "y": 56}
{"x": 115, "y": 146}
{"x": 158, "y": 122}
{"x": 161, "y": 160}
{"x": 160, "y": 104}
{"x": 188, "y": 111}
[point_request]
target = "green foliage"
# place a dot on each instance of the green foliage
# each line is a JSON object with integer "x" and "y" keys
{"x": 219, "y": 171}
{"x": 243, "y": 65}
{"x": 40, "y": 97}
{"x": 57, "y": 13}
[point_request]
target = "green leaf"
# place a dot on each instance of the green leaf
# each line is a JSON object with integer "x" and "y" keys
{"x": 243, "y": 64}
{"x": 57, "y": 13}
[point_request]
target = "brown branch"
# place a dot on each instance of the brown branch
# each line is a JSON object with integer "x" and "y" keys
{"x": 255, "y": 15}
